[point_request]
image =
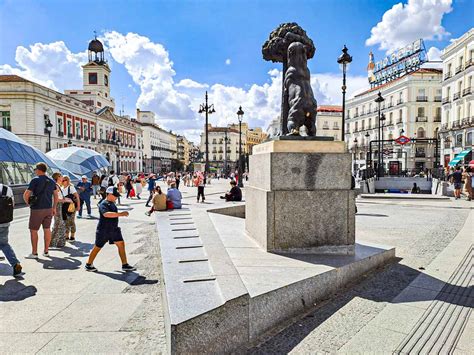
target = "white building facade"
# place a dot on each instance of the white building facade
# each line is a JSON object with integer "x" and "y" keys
{"x": 458, "y": 100}
{"x": 328, "y": 121}
{"x": 412, "y": 107}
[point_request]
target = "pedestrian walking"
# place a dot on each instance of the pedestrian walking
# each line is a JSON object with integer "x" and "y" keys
{"x": 69, "y": 191}
{"x": 128, "y": 186}
{"x": 42, "y": 198}
{"x": 109, "y": 231}
{"x": 151, "y": 187}
{"x": 95, "y": 184}
{"x": 468, "y": 177}
{"x": 58, "y": 235}
{"x": 199, "y": 182}
{"x": 103, "y": 187}
{"x": 85, "y": 190}
{"x": 456, "y": 179}
{"x": 112, "y": 180}
{"x": 178, "y": 180}
{"x": 7, "y": 203}
{"x": 138, "y": 187}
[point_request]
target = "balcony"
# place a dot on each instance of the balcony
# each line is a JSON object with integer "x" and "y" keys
{"x": 437, "y": 99}
{"x": 356, "y": 115}
{"x": 444, "y": 126}
{"x": 390, "y": 104}
{"x": 7, "y": 127}
{"x": 421, "y": 119}
{"x": 445, "y": 100}
{"x": 422, "y": 99}
{"x": 400, "y": 121}
{"x": 78, "y": 136}
{"x": 466, "y": 91}
{"x": 465, "y": 122}
{"x": 60, "y": 134}
{"x": 456, "y": 124}
{"x": 437, "y": 119}
{"x": 469, "y": 62}
{"x": 456, "y": 96}
{"x": 92, "y": 139}
{"x": 458, "y": 69}
{"x": 447, "y": 76}
{"x": 69, "y": 135}
{"x": 400, "y": 101}
{"x": 420, "y": 155}
{"x": 325, "y": 127}
{"x": 86, "y": 138}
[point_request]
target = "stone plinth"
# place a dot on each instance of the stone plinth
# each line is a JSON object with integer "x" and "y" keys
{"x": 299, "y": 197}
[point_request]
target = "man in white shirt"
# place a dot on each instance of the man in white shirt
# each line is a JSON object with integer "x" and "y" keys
{"x": 5, "y": 247}
{"x": 113, "y": 179}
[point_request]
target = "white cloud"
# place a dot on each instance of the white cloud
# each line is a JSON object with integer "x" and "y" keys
{"x": 403, "y": 24}
{"x": 434, "y": 54}
{"x": 191, "y": 84}
{"x": 228, "y": 61}
{"x": 52, "y": 65}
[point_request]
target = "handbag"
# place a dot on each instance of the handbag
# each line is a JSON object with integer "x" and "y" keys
{"x": 71, "y": 208}
{"x": 169, "y": 205}
{"x": 132, "y": 193}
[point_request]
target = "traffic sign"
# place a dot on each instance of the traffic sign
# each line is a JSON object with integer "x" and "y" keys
{"x": 402, "y": 140}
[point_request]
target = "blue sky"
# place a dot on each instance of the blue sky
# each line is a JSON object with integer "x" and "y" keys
{"x": 199, "y": 36}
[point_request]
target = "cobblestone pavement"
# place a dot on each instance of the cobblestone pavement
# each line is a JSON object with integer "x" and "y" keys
{"x": 419, "y": 231}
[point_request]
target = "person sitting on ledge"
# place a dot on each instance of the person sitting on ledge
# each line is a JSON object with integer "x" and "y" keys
{"x": 158, "y": 201}
{"x": 415, "y": 189}
{"x": 174, "y": 196}
{"x": 235, "y": 193}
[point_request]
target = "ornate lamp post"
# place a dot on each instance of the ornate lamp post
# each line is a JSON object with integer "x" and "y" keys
{"x": 355, "y": 154}
{"x": 207, "y": 109}
{"x": 49, "y": 127}
{"x": 367, "y": 136}
{"x": 225, "y": 152}
{"x": 344, "y": 61}
{"x": 240, "y": 115}
{"x": 379, "y": 99}
{"x": 118, "y": 141}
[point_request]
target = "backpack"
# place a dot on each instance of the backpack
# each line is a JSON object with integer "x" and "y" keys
{"x": 6, "y": 207}
{"x": 111, "y": 181}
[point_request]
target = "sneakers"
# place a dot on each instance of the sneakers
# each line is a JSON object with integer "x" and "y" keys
{"x": 46, "y": 254}
{"x": 89, "y": 216}
{"x": 17, "y": 270}
{"x": 79, "y": 216}
{"x": 148, "y": 214}
{"x": 90, "y": 267}
{"x": 32, "y": 256}
{"x": 127, "y": 267}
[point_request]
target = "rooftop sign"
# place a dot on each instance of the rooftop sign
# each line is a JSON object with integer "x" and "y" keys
{"x": 400, "y": 62}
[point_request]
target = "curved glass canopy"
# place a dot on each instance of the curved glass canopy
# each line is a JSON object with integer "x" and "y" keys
{"x": 80, "y": 161}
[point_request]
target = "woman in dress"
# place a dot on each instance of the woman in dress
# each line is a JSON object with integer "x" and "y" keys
{"x": 58, "y": 235}
{"x": 138, "y": 187}
{"x": 69, "y": 191}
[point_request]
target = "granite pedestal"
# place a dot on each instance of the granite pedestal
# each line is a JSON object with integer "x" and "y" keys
{"x": 299, "y": 197}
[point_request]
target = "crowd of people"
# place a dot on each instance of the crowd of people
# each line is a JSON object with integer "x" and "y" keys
{"x": 55, "y": 203}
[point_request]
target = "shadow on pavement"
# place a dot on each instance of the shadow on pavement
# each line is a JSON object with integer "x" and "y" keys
{"x": 64, "y": 263}
{"x": 132, "y": 278}
{"x": 14, "y": 290}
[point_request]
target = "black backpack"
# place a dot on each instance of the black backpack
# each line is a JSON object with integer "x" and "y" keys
{"x": 6, "y": 207}
{"x": 111, "y": 181}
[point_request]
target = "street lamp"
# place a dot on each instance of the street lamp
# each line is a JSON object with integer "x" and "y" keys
{"x": 344, "y": 61}
{"x": 49, "y": 127}
{"x": 379, "y": 99}
{"x": 240, "y": 115}
{"x": 355, "y": 154}
{"x": 367, "y": 136}
{"x": 225, "y": 152}
{"x": 69, "y": 143}
{"x": 118, "y": 141}
{"x": 207, "y": 109}
{"x": 144, "y": 164}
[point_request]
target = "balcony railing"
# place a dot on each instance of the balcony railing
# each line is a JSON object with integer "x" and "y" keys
{"x": 456, "y": 96}
{"x": 422, "y": 99}
{"x": 325, "y": 127}
{"x": 455, "y": 124}
{"x": 86, "y": 138}
{"x": 69, "y": 135}
{"x": 400, "y": 101}
{"x": 447, "y": 76}
{"x": 458, "y": 69}
{"x": 60, "y": 134}
{"x": 421, "y": 119}
{"x": 437, "y": 99}
{"x": 437, "y": 119}
{"x": 420, "y": 155}
{"x": 7, "y": 127}
{"x": 466, "y": 91}
{"x": 469, "y": 62}
{"x": 400, "y": 120}
{"x": 78, "y": 136}
{"x": 92, "y": 139}
{"x": 465, "y": 122}
{"x": 446, "y": 100}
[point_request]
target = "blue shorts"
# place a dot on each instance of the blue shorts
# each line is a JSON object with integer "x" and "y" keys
{"x": 458, "y": 185}
{"x": 104, "y": 236}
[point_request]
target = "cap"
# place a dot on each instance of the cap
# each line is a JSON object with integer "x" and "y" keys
{"x": 83, "y": 177}
{"x": 113, "y": 190}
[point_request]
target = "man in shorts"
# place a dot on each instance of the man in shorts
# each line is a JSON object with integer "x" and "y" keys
{"x": 109, "y": 231}
{"x": 456, "y": 179}
{"x": 42, "y": 198}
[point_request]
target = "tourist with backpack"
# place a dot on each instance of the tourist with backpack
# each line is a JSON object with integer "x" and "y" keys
{"x": 7, "y": 204}
{"x": 69, "y": 191}
{"x": 42, "y": 198}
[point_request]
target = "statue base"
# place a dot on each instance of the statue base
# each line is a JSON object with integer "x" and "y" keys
{"x": 299, "y": 197}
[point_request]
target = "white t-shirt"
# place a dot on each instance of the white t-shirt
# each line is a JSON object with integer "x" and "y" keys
{"x": 9, "y": 194}
{"x": 115, "y": 180}
{"x": 68, "y": 190}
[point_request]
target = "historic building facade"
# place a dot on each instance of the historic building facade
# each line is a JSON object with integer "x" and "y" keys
{"x": 457, "y": 125}
{"x": 411, "y": 107}
{"x": 328, "y": 121}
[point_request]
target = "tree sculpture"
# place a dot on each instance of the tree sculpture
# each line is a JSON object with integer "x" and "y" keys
{"x": 276, "y": 50}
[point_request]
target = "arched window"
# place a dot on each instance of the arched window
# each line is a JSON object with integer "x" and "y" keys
{"x": 420, "y": 133}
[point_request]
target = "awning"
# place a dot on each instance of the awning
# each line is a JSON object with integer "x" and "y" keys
{"x": 457, "y": 159}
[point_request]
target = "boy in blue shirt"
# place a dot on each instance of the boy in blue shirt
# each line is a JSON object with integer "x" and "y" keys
{"x": 109, "y": 231}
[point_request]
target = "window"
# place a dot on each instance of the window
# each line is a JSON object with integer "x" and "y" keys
{"x": 438, "y": 112}
{"x": 92, "y": 78}
{"x": 459, "y": 140}
{"x": 420, "y": 133}
{"x": 59, "y": 125}
{"x": 421, "y": 111}
{"x": 469, "y": 138}
{"x": 99, "y": 104}
{"x": 106, "y": 80}
{"x": 69, "y": 127}
{"x": 6, "y": 120}
{"x": 78, "y": 129}
{"x": 85, "y": 131}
